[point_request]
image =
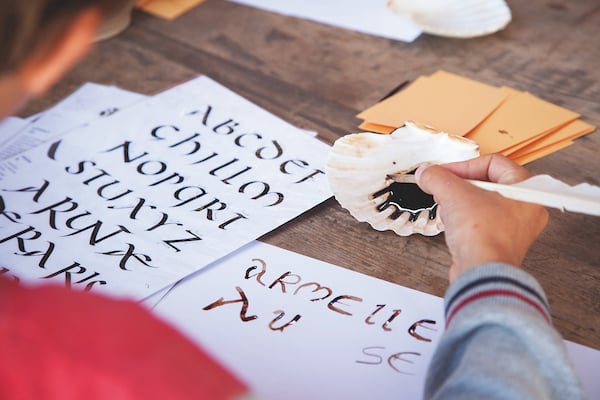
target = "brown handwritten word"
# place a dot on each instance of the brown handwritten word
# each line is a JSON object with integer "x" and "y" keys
{"x": 294, "y": 285}
{"x": 375, "y": 357}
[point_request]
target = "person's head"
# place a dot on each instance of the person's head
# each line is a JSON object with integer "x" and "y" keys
{"x": 39, "y": 41}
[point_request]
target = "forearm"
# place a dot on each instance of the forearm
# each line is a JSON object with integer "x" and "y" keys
{"x": 499, "y": 341}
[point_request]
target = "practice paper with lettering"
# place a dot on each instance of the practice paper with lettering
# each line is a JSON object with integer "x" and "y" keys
{"x": 293, "y": 327}
{"x": 129, "y": 204}
{"x": 9, "y": 126}
{"x": 87, "y": 103}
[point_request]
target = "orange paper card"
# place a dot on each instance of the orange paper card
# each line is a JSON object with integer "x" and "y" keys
{"x": 521, "y": 117}
{"x": 167, "y": 9}
{"x": 569, "y": 132}
{"x": 445, "y": 101}
{"x": 370, "y": 127}
{"x": 535, "y": 155}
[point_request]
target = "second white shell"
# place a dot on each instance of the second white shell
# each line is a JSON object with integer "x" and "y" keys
{"x": 359, "y": 163}
{"x": 455, "y": 18}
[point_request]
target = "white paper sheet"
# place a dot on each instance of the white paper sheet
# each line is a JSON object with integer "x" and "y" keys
{"x": 351, "y": 342}
{"x": 360, "y": 349}
{"x": 134, "y": 202}
{"x": 9, "y": 126}
{"x": 586, "y": 361}
{"x": 89, "y": 102}
{"x": 367, "y": 16}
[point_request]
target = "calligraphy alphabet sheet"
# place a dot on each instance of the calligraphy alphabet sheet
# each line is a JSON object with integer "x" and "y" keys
{"x": 136, "y": 201}
{"x": 297, "y": 328}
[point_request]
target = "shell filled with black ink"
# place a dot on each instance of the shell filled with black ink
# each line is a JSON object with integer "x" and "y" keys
{"x": 359, "y": 164}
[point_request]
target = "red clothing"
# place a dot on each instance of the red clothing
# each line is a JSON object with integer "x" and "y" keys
{"x": 60, "y": 344}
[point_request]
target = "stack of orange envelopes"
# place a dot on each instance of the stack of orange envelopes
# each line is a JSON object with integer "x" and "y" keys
{"x": 502, "y": 120}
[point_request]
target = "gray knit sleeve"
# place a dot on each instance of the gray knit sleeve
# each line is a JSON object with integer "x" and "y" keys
{"x": 499, "y": 341}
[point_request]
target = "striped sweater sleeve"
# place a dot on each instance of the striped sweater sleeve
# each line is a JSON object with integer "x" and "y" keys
{"x": 499, "y": 341}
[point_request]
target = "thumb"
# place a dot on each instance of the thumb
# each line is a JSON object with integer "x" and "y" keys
{"x": 441, "y": 183}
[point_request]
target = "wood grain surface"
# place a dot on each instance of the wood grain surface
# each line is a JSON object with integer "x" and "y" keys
{"x": 319, "y": 77}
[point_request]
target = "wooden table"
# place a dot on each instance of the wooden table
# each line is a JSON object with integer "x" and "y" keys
{"x": 319, "y": 77}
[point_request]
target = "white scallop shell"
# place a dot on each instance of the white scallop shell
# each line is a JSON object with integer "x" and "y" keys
{"x": 359, "y": 163}
{"x": 455, "y": 18}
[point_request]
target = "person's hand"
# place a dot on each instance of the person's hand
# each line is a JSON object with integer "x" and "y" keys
{"x": 482, "y": 226}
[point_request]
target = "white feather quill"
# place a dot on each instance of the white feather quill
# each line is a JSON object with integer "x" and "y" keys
{"x": 540, "y": 189}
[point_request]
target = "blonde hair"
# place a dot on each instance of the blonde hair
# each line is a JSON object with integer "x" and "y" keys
{"x": 27, "y": 25}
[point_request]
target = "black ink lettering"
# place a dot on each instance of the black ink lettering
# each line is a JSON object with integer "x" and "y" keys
{"x": 195, "y": 144}
{"x": 284, "y": 169}
{"x": 228, "y": 127}
{"x": 68, "y": 271}
{"x": 231, "y": 220}
{"x": 233, "y": 161}
{"x": 116, "y": 196}
{"x": 155, "y": 132}
{"x": 311, "y": 175}
{"x": 192, "y": 238}
{"x": 93, "y": 178}
{"x": 164, "y": 221}
{"x": 205, "y": 116}
{"x": 127, "y": 255}
{"x": 20, "y": 236}
{"x": 210, "y": 210}
{"x": 205, "y": 158}
{"x": 178, "y": 179}
{"x": 240, "y": 172}
{"x": 95, "y": 227}
{"x": 52, "y": 149}
{"x": 38, "y": 191}
{"x": 264, "y": 192}
{"x": 45, "y": 255}
{"x": 160, "y": 167}
{"x": 126, "y": 152}
{"x": 76, "y": 269}
{"x": 180, "y": 191}
{"x": 52, "y": 210}
{"x": 80, "y": 167}
{"x": 238, "y": 140}
{"x": 91, "y": 284}
{"x": 9, "y": 215}
{"x": 278, "y": 151}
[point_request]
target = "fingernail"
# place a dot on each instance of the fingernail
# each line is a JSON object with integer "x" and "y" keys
{"x": 420, "y": 171}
